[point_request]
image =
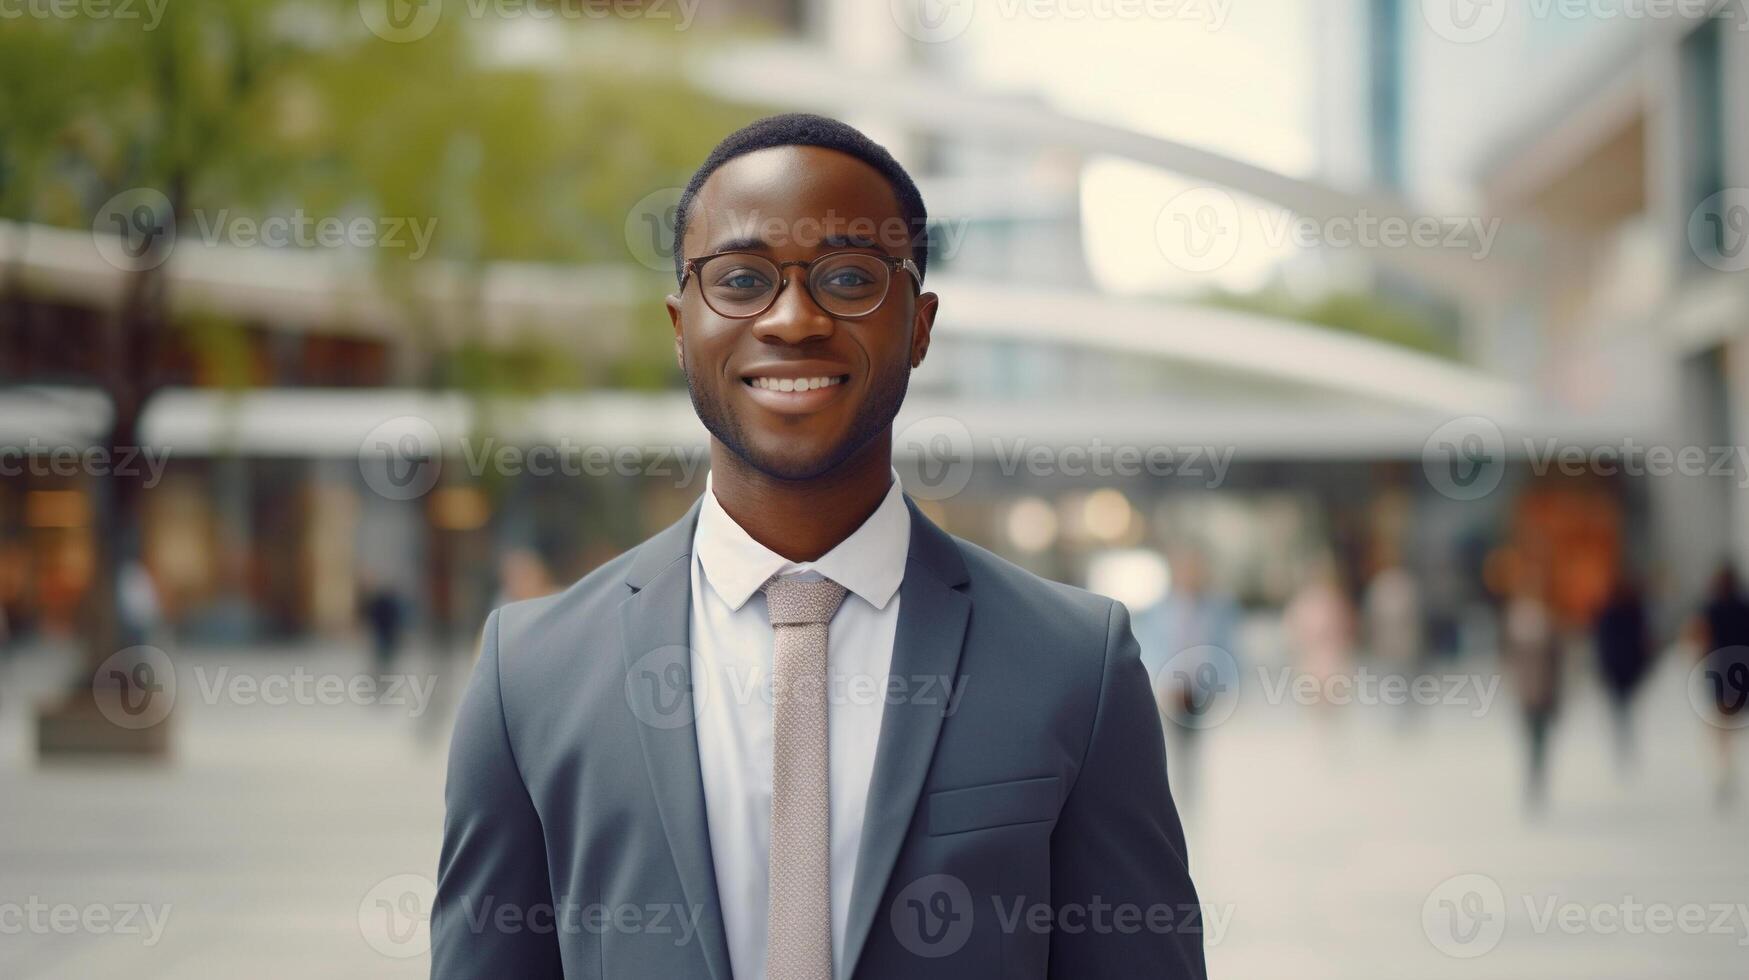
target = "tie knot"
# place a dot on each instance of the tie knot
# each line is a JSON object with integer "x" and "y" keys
{"x": 796, "y": 602}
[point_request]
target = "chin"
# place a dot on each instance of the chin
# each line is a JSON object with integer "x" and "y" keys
{"x": 791, "y": 462}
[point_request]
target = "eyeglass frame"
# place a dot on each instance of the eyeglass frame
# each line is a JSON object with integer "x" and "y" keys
{"x": 894, "y": 263}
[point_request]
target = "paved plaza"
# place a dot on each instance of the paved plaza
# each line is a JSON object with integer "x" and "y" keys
{"x": 297, "y": 839}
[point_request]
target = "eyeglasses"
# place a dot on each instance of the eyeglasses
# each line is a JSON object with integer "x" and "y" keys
{"x": 847, "y": 285}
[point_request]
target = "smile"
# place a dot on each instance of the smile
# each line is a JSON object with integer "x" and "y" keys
{"x": 796, "y": 384}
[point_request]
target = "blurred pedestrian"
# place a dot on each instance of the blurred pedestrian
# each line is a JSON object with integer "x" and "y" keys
{"x": 385, "y": 615}
{"x": 141, "y": 611}
{"x": 522, "y": 574}
{"x": 1624, "y": 654}
{"x": 1531, "y": 645}
{"x": 1721, "y": 634}
{"x": 1188, "y": 643}
{"x": 1392, "y": 614}
{"x": 1319, "y": 623}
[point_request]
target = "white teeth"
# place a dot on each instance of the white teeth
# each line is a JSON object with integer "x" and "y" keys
{"x": 795, "y": 384}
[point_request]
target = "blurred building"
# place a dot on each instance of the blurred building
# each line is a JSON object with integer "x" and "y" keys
{"x": 1623, "y": 141}
{"x": 1592, "y": 323}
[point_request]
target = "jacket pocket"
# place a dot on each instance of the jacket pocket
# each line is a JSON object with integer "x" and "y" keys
{"x": 953, "y": 811}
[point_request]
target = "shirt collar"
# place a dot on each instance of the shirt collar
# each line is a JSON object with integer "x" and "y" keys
{"x": 870, "y": 562}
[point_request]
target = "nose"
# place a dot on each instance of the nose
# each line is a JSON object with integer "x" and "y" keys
{"x": 794, "y": 317}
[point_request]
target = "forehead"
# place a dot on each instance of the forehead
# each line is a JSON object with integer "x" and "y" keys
{"x": 765, "y": 193}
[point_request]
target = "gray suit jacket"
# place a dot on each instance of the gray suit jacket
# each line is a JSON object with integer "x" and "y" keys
{"x": 1020, "y": 827}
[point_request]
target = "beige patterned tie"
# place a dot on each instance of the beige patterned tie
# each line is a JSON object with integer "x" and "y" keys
{"x": 799, "y": 944}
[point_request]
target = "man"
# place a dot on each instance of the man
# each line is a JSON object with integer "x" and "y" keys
{"x": 804, "y": 733}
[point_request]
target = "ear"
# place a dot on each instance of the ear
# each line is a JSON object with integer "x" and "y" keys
{"x": 922, "y": 322}
{"x": 673, "y": 304}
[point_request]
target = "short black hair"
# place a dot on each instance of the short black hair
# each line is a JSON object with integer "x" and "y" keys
{"x": 807, "y": 129}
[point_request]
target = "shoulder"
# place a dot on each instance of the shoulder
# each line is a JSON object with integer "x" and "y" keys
{"x": 524, "y": 628}
{"x": 1046, "y": 608}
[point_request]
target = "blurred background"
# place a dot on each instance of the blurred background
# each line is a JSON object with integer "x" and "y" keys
{"x": 1387, "y": 358}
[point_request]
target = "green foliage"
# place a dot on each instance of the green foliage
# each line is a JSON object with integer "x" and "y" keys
{"x": 258, "y": 108}
{"x": 1358, "y": 313}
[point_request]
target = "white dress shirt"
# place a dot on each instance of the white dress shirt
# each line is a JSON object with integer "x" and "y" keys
{"x": 731, "y": 640}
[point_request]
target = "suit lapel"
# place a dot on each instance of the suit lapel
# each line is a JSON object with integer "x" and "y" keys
{"x": 654, "y": 624}
{"x": 932, "y": 623}
{"x": 933, "y": 612}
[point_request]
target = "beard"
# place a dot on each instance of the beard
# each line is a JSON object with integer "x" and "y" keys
{"x": 874, "y": 416}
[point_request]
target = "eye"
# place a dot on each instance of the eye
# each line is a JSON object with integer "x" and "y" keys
{"x": 741, "y": 279}
{"x": 849, "y": 278}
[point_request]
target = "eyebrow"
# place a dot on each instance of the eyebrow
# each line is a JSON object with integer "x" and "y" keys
{"x": 743, "y": 244}
{"x": 753, "y": 243}
{"x": 849, "y": 241}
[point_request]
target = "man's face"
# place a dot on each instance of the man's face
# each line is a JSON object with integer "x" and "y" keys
{"x": 794, "y": 203}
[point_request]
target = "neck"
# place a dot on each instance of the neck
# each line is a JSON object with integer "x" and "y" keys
{"x": 803, "y": 519}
